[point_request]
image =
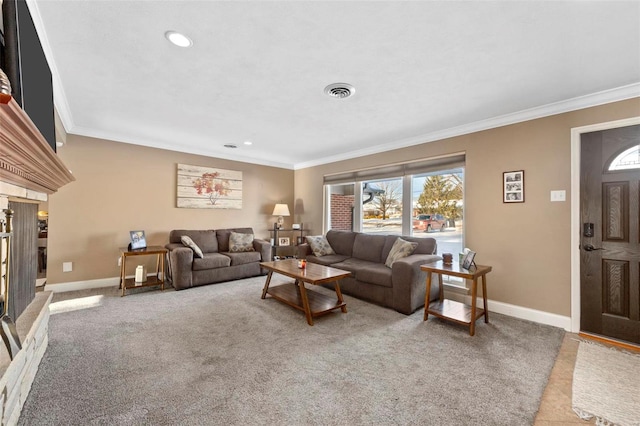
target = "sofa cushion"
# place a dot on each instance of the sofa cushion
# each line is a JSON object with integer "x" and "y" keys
{"x": 341, "y": 241}
{"x": 327, "y": 260}
{"x": 319, "y": 245}
{"x": 206, "y": 240}
{"x": 368, "y": 247}
{"x": 188, "y": 242}
{"x": 224, "y": 234}
{"x": 400, "y": 249}
{"x": 211, "y": 261}
{"x": 239, "y": 242}
{"x": 425, "y": 245}
{"x": 243, "y": 258}
{"x": 377, "y": 274}
{"x": 366, "y": 271}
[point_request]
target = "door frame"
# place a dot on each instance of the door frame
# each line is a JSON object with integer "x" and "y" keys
{"x": 576, "y": 135}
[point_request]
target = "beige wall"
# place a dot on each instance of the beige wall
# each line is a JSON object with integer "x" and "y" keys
{"x": 528, "y": 244}
{"x": 121, "y": 187}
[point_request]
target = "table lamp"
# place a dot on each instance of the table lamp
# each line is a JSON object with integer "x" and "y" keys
{"x": 280, "y": 210}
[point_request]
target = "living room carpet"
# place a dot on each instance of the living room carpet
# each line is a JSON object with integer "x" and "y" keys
{"x": 606, "y": 385}
{"x": 219, "y": 354}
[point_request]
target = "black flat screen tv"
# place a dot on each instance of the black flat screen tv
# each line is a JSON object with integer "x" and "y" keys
{"x": 24, "y": 62}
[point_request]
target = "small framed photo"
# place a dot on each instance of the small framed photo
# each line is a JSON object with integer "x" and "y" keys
{"x": 284, "y": 241}
{"x": 138, "y": 240}
{"x": 467, "y": 261}
{"x": 513, "y": 187}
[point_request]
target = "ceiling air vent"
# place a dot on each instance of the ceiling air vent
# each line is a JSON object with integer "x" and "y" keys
{"x": 339, "y": 90}
{"x": 230, "y": 145}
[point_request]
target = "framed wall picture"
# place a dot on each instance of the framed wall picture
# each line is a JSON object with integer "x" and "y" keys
{"x": 138, "y": 240}
{"x": 467, "y": 261}
{"x": 284, "y": 241}
{"x": 513, "y": 187}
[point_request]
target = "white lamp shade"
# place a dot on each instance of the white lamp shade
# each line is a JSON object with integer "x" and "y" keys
{"x": 281, "y": 210}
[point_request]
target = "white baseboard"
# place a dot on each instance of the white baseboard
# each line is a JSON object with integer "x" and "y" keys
{"x": 516, "y": 311}
{"x": 521, "y": 312}
{"x": 85, "y": 285}
{"x": 82, "y": 285}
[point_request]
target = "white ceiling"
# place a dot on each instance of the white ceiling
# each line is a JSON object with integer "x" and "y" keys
{"x": 422, "y": 70}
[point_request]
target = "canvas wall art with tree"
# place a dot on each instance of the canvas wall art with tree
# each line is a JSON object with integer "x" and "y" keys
{"x": 208, "y": 188}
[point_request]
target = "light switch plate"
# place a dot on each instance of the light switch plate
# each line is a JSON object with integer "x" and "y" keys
{"x": 559, "y": 195}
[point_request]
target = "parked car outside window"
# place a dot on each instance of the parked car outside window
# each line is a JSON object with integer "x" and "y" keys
{"x": 428, "y": 222}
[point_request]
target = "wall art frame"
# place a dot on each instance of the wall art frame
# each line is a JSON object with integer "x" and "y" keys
{"x": 200, "y": 187}
{"x": 513, "y": 186}
{"x": 284, "y": 241}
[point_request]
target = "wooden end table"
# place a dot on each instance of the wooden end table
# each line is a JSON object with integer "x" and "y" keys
{"x": 452, "y": 310}
{"x": 294, "y": 294}
{"x": 126, "y": 283}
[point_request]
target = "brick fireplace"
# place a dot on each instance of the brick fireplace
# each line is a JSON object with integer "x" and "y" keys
{"x": 29, "y": 171}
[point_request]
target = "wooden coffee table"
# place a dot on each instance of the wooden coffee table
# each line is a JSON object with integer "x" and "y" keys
{"x": 295, "y": 294}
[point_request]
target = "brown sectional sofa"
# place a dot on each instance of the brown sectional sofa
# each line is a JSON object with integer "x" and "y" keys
{"x": 185, "y": 270}
{"x": 401, "y": 287}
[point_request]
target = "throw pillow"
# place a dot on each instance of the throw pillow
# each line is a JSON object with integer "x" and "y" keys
{"x": 239, "y": 242}
{"x": 188, "y": 242}
{"x": 400, "y": 249}
{"x": 319, "y": 245}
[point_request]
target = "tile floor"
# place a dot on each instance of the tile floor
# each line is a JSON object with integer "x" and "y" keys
{"x": 555, "y": 407}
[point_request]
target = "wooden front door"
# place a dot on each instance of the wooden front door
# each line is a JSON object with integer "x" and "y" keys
{"x": 610, "y": 247}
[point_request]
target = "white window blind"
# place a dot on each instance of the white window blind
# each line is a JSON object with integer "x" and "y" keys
{"x": 415, "y": 167}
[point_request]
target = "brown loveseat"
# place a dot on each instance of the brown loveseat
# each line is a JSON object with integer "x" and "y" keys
{"x": 401, "y": 287}
{"x": 218, "y": 263}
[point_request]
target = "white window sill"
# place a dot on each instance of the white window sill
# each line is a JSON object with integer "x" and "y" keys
{"x": 455, "y": 288}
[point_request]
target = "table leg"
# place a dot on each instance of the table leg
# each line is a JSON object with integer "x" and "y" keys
{"x": 474, "y": 293}
{"x": 305, "y": 303}
{"x": 121, "y": 271}
{"x": 266, "y": 285}
{"x": 484, "y": 298}
{"x": 123, "y": 277}
{"x": 426, "y": 296}
{"x": 336, "y": 286}
{"x": 161, "y": 259}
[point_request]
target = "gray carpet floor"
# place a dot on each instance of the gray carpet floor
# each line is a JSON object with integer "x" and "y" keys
{"x": 220, "y": 354}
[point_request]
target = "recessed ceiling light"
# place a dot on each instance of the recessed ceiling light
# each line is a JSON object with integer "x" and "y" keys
{"x": 230, "y": 145}
{"x": 248, "y": 143}
{"x": 178, "y": 39}
{"x": 340, "y": 90}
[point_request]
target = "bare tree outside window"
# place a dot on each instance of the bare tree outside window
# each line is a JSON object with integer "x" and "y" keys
{"x": 389, "y": 201}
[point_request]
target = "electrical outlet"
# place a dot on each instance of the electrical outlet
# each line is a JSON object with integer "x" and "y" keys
{"x": 119, "y": 261}
{"x": 67, "y": 266}
{"x": 558, "y": 195}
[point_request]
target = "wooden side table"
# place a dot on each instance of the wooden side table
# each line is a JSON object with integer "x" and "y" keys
{"x": 126, "y": 283}
{"x": 450, "y": 309}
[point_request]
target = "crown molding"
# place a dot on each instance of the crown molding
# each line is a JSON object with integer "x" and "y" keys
{"x": 600, "y": 98}
{"x": 26, "y": 159}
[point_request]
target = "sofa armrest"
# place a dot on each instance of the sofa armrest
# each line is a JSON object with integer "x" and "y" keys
{"x": 264, "y": 247}
{"x": 180, "y": 265}
{"x": 409, "y": 282}
{"x": 304, "y": 250}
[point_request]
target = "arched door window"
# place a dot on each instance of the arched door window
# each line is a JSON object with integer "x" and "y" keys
{"x": 626, "y": 160}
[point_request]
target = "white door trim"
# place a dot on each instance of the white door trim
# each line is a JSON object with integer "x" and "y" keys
{"x": 576, "y": 228}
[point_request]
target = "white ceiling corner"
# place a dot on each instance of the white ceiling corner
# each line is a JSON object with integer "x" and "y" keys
{"x": 257, "y": 70}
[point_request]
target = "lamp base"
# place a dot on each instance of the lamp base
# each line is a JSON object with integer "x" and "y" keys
{"x": 280, "y": 222}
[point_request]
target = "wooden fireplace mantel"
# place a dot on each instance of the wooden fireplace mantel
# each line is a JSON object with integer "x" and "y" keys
{"x": 26, "y": 159}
